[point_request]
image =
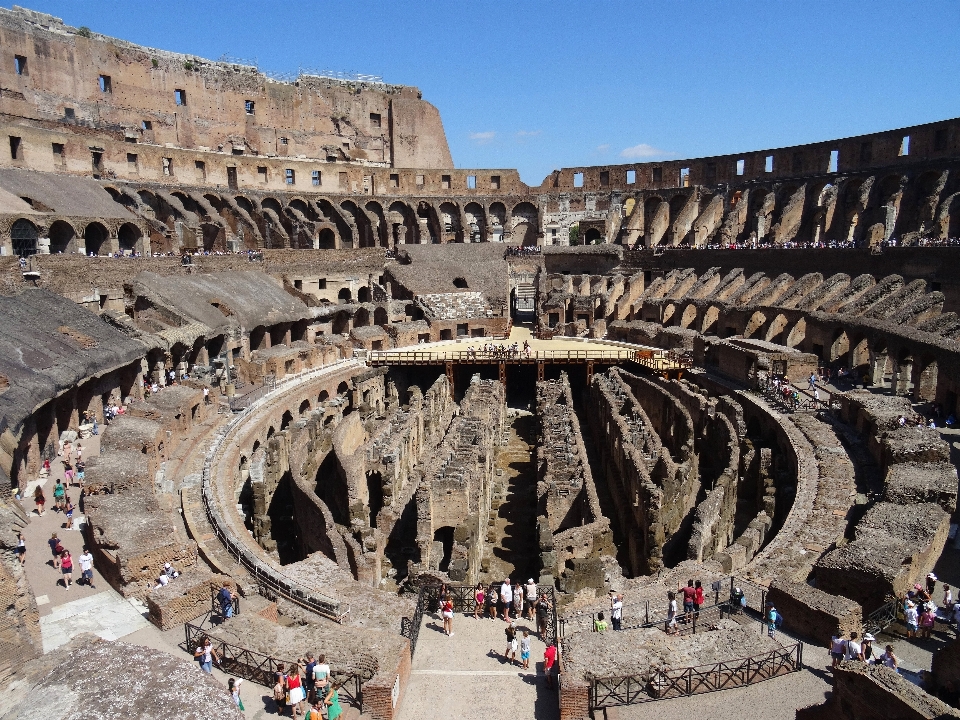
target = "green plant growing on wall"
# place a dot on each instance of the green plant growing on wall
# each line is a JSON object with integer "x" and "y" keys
{"x": 575, "y": 234}
{"x": 84, "y": 31}
{"x": 155, "y": 63}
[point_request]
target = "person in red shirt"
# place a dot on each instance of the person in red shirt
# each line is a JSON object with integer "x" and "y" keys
{"x": 698, "y": 597}
{"x": 689, "y": 600}
{"x": 549, "y": 658}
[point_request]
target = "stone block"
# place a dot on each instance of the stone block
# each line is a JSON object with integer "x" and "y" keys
{"x": 812, "y": 613}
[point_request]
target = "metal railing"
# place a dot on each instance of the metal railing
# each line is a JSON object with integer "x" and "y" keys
{"x": 883, "y": 617}
{"x": 705, "y": 616}
{"x": 651, "y": 358}
{"x": 639, "y": 614}
{"x": 262, "y": 669}
{"x": 465, "y": 602}
{"x": 269, "y": 580}
{"x": 684, "y": 682}
{"x": 239, "y": 402}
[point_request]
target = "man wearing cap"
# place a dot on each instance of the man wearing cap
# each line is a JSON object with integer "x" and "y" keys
{"x": 530, "y": 591}
{"x": 931, "y": 584}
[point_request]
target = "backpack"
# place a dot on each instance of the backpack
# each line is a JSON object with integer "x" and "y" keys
{"x": 776, "y": 618}
{"x": 225, "y": 598}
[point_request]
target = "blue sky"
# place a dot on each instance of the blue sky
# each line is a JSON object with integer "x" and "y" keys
{"x": 543, "y": 85}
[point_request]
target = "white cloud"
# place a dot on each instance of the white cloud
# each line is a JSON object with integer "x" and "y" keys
{"x": 603, "y": 148}
{"x": 527, "y": 133}
{"x": 638, "y": 152}
{"x": 482, "y": 138}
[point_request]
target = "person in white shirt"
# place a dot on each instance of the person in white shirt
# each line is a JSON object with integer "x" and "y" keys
{"x": 531, "y": 592}
{"x": 506, "y": 598}
{"x": 889, "y": 659}
{"x": 86, "y": 567}
{"x": 838, "y": 648}
{"x": 853, "y": 649}
{"x": 616, "y": 611}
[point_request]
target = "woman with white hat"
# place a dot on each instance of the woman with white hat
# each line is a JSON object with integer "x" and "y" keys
{"x": 866, "y": 649}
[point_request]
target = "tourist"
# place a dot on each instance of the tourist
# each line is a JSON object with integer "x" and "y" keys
{"x": 279, "y": 690}
{"x": 59, "y": 492}
{"x": 911, "y": 618}
{"x": 309, "y": 681}
{"x": 446, "y": 611}
{"x": 599, "y": 623}
{"x": 616, "y": 610}
{"x": 931, "y": 584}
{"x": 56, "y": 548}
{"x": 837, "y": 649}
{"x": 86, "y": 567}
{"x": 506, "y": 598}
{"x": 206, "y": 656}
{"x": 888, "y": 659}
{"x": 81, "y": 475}
{"x": 511, "y": 633}
{"x": 543, "y": 610}
{"x": 169, "y": 571}
{"x": 479, "y": 595}
{"x": 68, "y": 511}
{"x": 866, "y": 649}
{"x": 689, "y": 600}
{"x": 493, "y": 599}
{"x": 39, "y": 499}
{"x": 295, "y": 693}
{"x": 79, "y": 451}
{"x": 518, "y": 600}
{"x": 698, "y": 597}
{"x": 671, "y": 613}
{"x": 233, "y": 686}
{"x": 21, "y": 548}
{"x": 926, "y": 620}
{"x": 852, "y": 649}
{"x": 773, "y": 620}
{"x": 225, "y": 596}
{"x": 332, "y": 701}
{"x": 314, "y": 711}
{"x": 525, "y": 649}
{"x": 162, "y": 581}
{"x": 947, "y": 597}
{"x": 66, "y": 567}
{"x": 549, "y": 658}
{"x": 321, "y": 676}
{"x": 206, "y": 395}
{"x": 531, "y": 593}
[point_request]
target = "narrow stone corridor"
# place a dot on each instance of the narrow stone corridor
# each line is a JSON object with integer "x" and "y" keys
{"x": 514, "y": 533}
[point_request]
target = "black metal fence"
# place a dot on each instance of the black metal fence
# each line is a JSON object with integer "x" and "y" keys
{"x": 725, "y": 595}
{"x": 464, "y": 601}
{"x": 262, "y": 669}
{"x": 884, "y": 616}
{"x": 684, "y": 682}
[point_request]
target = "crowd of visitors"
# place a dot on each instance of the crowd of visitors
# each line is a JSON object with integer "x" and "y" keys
{"x": 523, "y": 250}
{"x": 493, "y": 351}
{"x": 817, "y": 245}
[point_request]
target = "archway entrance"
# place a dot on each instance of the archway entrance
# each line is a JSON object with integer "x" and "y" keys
{"x": 23, "y": 236}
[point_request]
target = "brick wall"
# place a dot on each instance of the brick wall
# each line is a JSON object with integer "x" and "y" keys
{"x": 574, "y": 699}
{"x": 378, "y": 691}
